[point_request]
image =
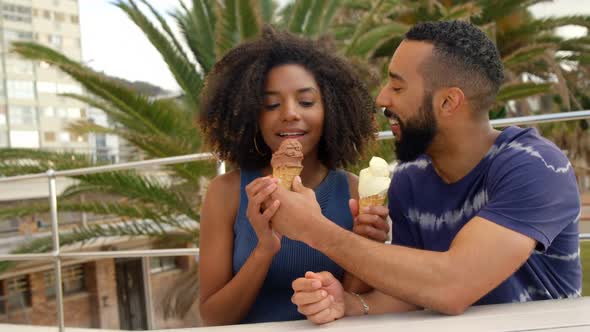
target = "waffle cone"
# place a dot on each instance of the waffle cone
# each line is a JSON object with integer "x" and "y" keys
{"x": 286, "y": 174}
{"x": 374, "y": 200}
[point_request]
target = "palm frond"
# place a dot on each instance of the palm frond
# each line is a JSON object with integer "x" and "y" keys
{"x": 522, "y": 90}
{"x": 184, "y": 71}
{"x": 331, "y": 9}
{"x": 462, "y": 12}
{"x": 267, "y": 10}
{"x": 299, "y": 15}
{"x": 314, "y": 18}
{"x": 526, "y": 55}
{"x": 376, "y": 37}
{"x": 227, "y": 34}
{"x": 249, "y": 21}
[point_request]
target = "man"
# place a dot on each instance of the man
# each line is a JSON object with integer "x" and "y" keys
{"x": 479, "y": 216}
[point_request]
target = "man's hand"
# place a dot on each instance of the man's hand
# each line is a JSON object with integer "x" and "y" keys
{"x": 319, "y": 296}
{"x": 370, "y": 223}
{"x": 298, "y": 213}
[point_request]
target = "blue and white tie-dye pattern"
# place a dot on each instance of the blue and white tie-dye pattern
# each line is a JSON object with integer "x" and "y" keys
{"x": 524, "y": 183}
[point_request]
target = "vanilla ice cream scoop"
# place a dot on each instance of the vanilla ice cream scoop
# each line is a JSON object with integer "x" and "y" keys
{"x": 374, "y": 180}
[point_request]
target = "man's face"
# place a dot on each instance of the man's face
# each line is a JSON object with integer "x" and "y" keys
{"x": 407, "y": 104}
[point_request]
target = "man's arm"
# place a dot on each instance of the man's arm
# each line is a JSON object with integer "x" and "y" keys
{"x": 482, "y": 255}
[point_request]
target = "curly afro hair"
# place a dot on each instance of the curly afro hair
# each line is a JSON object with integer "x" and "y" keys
{"x": 463, "y": 57}
{"x": 232, "y": 100}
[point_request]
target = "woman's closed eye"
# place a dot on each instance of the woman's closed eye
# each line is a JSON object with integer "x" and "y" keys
{"x": 270, "y": 107}
{"x": 306, "y": 103}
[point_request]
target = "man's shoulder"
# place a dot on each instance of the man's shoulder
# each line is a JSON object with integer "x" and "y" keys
{"x": 526, "y": 148}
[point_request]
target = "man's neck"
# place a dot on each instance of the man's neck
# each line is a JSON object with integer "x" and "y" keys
{"x": 457, "y": 153}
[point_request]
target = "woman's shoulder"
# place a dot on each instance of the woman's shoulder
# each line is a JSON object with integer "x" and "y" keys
{"x": 222, "y": 186}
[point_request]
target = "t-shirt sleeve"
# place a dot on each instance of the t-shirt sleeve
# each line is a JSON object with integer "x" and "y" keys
{"x": 403, "y": 232}
{"x": 532, "y": 191}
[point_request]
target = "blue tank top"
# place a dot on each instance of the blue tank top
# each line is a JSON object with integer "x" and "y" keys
{"x": 294, "y": 258}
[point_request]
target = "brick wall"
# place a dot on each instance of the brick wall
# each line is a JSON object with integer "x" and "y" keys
{"x": 102, "y": 287}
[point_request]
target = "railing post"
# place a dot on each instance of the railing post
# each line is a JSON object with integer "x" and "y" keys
{"x": 56, "y": 259}
{"x": 147, "y": 291}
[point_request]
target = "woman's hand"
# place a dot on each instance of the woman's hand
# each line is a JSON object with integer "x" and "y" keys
{"x": 259, "y": 190}
{"x": 371, "y": 223}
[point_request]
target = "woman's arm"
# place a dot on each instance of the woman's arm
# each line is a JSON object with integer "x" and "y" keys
{"x": 223, "y": 299}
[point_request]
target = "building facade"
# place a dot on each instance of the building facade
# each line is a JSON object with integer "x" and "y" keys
{"x": 32, "y": 112}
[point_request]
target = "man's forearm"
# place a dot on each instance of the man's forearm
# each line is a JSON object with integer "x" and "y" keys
{"x": 420, "y": 277}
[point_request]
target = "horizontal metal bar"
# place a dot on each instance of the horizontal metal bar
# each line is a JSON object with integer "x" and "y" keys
{"x": 521, "y": 120}
{"x": 102, "y": 254}
{"x": 116, "y": 167}
{"x": 125, "y": 253}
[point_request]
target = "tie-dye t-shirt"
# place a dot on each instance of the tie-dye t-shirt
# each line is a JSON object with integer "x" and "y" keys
{"x": 524, "y": 183}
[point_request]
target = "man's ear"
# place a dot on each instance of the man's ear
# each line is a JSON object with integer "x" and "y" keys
{"x": 448, "y": 101}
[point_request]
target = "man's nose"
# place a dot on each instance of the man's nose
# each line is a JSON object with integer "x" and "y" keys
{"x": 382, "y": 98}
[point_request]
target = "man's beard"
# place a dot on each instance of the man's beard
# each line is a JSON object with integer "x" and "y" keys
{"x": 417, "y": 133}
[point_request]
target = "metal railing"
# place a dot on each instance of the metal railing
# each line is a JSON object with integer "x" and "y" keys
{"x": 57, "y": 256}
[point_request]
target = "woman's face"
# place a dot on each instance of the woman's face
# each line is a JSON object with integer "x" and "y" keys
{"x": 292, "y": 108}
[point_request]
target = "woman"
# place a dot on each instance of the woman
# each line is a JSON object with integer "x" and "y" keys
{"x": 259, "y": 94}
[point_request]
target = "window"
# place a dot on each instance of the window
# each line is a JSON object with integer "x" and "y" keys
{"x": 160, "y": 264}
{"x": 55, "y": 40}
{"x": 16, "y": 293}
{"x": 20, "y": 89}
{"x": 61, "y": 112}
{"x": 28, "y": 139}
{"x": 59, "y": 17}
{"x": 49, "y": 136}
{"x": 3, "y": 144}
{"x": 72, "y": 280}
{"x": 68, "y": 88}
{"x": 16, "y": 35}
{"x": 64, "y": 137}
{"x": 74, "y": 19}
{"x": 22, "y": 115}
{"x": 46, "y": 87}
{"x": 3, "y": 121}
{"x": 47, "y": 14}
{"x": 19, "y": 66}
{"x": 48, "y": 112}
{"x": 74, "y": 113}
{"x": 16, "y": 13}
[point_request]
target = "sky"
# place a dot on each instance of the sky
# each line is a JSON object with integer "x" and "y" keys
{"x": 113, "y": 44}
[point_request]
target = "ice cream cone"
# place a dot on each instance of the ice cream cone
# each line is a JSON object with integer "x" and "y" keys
{"x": 374, "y": 200}
{"x": 286, "y": 174}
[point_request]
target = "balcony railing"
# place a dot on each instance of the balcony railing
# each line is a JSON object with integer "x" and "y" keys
{"x": 57, "y": 256}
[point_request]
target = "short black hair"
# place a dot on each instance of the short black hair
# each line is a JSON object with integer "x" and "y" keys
{"x": 463, "y": 56}
{"x": 232, "y": 100}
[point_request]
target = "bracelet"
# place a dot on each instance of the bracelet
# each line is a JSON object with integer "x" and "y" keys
{"x": 363, "y": 303}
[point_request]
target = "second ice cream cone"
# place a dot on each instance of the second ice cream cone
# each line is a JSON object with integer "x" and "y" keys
{"x": 286, "y": 174}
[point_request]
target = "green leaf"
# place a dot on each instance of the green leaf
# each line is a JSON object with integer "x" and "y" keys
{"x": 227, "y": 33}
{"x": 299, "y": 16}
{"x": 526, "y": 55}
{"x": 248, "y": 20}
{"x": 315, "y": 15}
{"x": 376, "y": 37}
{"x": 522, "y": 90}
